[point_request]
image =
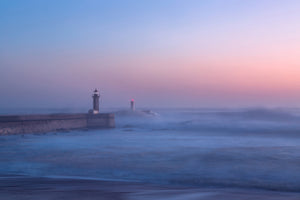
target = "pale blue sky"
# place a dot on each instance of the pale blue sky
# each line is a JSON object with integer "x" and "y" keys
{"x": 53, "y": 53}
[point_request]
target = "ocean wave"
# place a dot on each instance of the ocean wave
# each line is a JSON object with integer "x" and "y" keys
{"x": 176, "y": 147}
{"x": 243, "y": 121}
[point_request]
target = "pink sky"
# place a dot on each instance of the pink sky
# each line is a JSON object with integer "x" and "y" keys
{"x": 191, "y": 54}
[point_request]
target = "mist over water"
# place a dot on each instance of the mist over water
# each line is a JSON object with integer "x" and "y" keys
{"x": 239, "y": 148}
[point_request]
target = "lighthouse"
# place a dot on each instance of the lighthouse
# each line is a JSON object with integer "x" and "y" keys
{"x": 132, "y": 107}
{"x": 96, "y": 97}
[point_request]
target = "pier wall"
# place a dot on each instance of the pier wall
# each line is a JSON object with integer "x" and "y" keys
{"x": 22, "y": 124}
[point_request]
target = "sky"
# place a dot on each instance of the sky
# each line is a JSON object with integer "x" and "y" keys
{"x": 171, "y": 53}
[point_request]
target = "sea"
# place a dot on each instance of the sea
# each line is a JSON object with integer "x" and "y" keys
{"x": 240, "y": 148}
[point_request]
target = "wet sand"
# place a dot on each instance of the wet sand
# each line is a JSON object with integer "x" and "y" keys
{"x": 24, "y": 188}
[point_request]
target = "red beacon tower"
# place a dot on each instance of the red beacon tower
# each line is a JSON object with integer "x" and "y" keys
{"x": 132, "y": 106}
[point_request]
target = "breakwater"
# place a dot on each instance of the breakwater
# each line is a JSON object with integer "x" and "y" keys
{"x": 22, "y": 124}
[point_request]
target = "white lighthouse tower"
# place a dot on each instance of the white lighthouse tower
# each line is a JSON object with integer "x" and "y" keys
{"x": 96, "y": 96}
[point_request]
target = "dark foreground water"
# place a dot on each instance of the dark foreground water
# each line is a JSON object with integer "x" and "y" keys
{"x": 209, "y": 149}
